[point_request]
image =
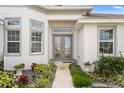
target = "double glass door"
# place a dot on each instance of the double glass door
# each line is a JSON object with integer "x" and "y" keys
{"x": 62, "y": 47}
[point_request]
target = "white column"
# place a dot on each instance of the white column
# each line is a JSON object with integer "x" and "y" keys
{"x": 74, "y": 44}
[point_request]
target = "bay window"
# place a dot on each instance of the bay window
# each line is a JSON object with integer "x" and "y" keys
{"x": 36, "y": 37}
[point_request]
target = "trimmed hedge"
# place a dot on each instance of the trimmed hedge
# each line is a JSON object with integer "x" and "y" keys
{"x": 80, "y": 78}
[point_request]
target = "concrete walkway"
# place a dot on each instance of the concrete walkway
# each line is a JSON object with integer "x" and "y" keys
{"x": 63, "y": 77}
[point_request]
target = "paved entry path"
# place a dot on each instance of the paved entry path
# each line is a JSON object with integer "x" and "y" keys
{"x": 63, "y": 77}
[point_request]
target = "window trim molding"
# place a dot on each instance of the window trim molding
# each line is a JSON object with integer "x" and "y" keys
{"x": 11, "y": 27}
{"x": 30, "y": 42}
{"x": 5, "y": 37}
{"x": 114, "y": 40}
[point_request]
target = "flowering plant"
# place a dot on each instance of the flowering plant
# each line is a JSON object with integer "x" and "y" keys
{"x": 22, "y": 80}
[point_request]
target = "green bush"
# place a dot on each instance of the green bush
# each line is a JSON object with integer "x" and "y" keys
{"x": 1, "y": 64}
{"x": 75, "y": 69}
{"x": 108, "y": 66}
{"x": 45, "y": 74}
{"x": 39, "y": 83}
{"x": 6, "y": 80}
{"x": 81, "y": 81}
{"x": 80, "y": 78}
{"x": 45, "y": 70}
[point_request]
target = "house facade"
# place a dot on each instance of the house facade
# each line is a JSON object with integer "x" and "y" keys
{"x": 40, "y": 33}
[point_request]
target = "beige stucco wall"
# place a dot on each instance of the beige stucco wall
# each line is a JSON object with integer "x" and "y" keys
{"x": 120, "y": 39}
{"x": 1, "y": 39}
{"x": 87, "y": 42}
{"x": 90, "y": 42}
{"x": 80, "y": 46}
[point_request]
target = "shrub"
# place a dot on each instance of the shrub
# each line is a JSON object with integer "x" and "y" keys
{"x": 22, "y": 80}
{"x": 108, "y": 66}
{"x": 75, "y": 69}
{"x": 80, "y": 78}
{"x": 39, "y": 83}
{"x": 45, "y": 74}
{"x": 44, "y": 69}
{"x": 1, "y": 65}
{"x": 118, "y": 79}
{"x": 6, "y": 79}
{"x": 33, "y": 66}
{"x": 81, "y": 81}
{"x": 52, "y": 66}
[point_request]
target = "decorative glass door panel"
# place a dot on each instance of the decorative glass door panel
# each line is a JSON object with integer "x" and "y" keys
{"x": 67, "y": 47}
{"x": 62, "y": 47}
{"x": 57, "y": 47}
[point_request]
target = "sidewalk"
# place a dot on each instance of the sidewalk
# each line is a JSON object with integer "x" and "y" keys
{"x": 63, "y": 77}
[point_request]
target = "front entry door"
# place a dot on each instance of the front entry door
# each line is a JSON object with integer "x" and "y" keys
{"x": 62, "y": 47}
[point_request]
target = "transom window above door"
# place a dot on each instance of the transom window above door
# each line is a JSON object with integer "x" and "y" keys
{"x": 61, "y": 30}
{"x": 106, "y": 40}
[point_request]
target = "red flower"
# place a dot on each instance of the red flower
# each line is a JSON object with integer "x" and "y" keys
{"x": 23, "y": 80}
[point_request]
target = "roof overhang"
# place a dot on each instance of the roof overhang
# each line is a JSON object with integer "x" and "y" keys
{"x": 53, "y": 7}
{"x": 81, "y": 22}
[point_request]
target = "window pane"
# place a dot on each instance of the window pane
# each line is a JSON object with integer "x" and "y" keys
{"x": 13, "y": 47}
{"x": 106, "y": 47}
{"x": 13, "y": 35}
{"x": 106, "y": 34}
{"x": 62, "y": 29}
{"x": 36, "y": 47}
{"x": 13, "y": 22}
{"x": 36, "y": 36}
{"x": 36, "y": 24}
{"x": 36, "y": 39}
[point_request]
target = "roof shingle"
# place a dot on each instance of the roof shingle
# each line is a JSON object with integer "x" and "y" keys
{"x": 103, "y": 16}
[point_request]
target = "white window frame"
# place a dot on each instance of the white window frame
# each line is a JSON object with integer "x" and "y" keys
{"x": 12, "y": 28}
{"x": 41, "y": 30}
{"x": 113, "y": 40}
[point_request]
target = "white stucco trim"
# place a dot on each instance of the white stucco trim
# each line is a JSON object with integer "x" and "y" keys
{"x": 64, "y": 7}
{"x": 100, "y": 21}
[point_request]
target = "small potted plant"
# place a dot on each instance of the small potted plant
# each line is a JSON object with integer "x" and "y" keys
{"x": 19, "y": 69}
{"x": 87, "y": 66}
